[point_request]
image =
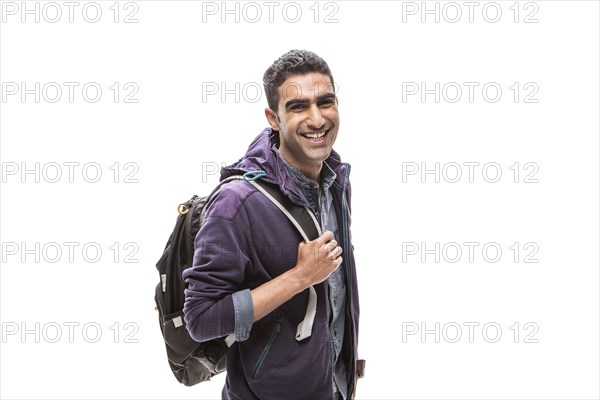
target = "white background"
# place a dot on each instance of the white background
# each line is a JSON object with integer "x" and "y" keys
{"x": 376, "y": 51}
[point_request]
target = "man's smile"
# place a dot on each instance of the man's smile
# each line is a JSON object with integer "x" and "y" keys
{"x": 316, "y": 137}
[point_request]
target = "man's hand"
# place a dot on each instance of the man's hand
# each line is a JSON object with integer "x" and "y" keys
{"x": 317, "y": 259}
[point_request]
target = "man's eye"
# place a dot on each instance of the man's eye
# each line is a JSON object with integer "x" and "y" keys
{"x": 327, "y": 103}
{"x": 297, "y": 107}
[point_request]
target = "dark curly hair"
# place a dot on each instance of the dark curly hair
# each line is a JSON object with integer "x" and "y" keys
{"x": 294, "y": 62}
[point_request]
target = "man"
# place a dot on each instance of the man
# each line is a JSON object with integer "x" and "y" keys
{"x": 251, "y": 276}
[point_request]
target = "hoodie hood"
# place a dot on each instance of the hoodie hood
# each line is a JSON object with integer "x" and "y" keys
{"x": 260, "y": 156}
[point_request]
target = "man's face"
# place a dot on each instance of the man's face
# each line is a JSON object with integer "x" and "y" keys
{"x": 308, "y": 120}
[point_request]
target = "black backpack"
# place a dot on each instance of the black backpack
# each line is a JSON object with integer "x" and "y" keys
{"x": 193, "y": 362}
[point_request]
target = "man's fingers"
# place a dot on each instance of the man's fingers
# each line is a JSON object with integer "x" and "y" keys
{"x": 331, "y": 245}
{"x": 325, "y": 237}
{"x": 335, "y": 252}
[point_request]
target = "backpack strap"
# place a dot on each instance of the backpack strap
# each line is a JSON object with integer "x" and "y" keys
{"x": 304, "y": 220}
{"x": 302, "y": 217}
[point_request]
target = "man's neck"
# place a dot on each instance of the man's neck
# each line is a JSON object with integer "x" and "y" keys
{"x": 310, "y": 171}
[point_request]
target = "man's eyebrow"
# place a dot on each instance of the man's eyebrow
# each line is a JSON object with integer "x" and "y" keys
{"x": 326, "y": 96}
{"x": 291, "y": 102}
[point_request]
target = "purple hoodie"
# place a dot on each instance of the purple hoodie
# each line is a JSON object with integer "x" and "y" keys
{"x": 246, "y": 241}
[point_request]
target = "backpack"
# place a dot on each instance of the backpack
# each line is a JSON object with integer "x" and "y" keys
{"x": 193, "y": 362}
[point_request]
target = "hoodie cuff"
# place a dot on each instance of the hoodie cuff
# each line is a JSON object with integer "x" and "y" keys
{"x": 244, "y": 314}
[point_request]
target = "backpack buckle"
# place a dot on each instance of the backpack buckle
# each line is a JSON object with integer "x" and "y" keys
{"x": 183, "y": 208}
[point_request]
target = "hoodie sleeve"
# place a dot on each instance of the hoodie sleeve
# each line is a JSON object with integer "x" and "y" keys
{"x": 216, "y": 304}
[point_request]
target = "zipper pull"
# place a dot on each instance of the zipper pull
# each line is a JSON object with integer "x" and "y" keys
{"x": 279, "y": 324}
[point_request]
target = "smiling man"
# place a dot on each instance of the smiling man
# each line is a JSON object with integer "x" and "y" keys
{"x": 252, "y": 274}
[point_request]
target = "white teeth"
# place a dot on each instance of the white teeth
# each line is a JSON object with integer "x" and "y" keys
{"x": 315, "y": 135}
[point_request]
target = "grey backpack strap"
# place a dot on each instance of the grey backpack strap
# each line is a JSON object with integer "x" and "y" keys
{"x": 305, "y": 222}
{"x": 302, "y": 217}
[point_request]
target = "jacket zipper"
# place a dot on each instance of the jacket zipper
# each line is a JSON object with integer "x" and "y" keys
{"x": 263, "y": 355}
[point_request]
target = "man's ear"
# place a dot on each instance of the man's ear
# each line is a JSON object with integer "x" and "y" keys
{"x": 272, "y": 118}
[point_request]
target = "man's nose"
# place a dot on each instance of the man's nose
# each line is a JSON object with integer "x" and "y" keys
{"x": 315, "y": 118}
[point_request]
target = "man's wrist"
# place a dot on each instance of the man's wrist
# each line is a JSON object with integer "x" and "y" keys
{"x": 296, "y": 282}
